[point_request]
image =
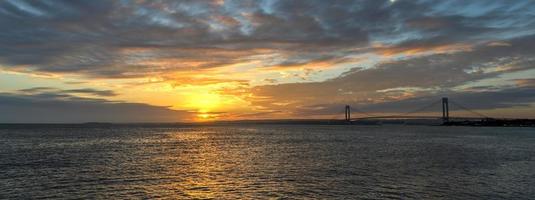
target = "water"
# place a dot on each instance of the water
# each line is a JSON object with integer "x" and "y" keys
{"x": 267, "y": 161}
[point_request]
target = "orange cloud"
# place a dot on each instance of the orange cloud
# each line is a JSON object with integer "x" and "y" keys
{"x": 415, "y": 50}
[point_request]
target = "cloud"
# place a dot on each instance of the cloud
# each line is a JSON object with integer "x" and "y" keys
{"x": 425, "y": 76}
{"x": 529, "y": 82}
{"x": 87, "y": 91}
{"x": 390, "y": 51}
{"x": 50, "y": 107}
{"x": 68, "y": 37}
{"x": 480, "y": 101}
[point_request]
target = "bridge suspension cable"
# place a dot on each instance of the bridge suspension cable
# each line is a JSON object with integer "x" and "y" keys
{"x": 423, "y": 108}
{"x": 362, "y": 112}
{"x": 468, "y": 109}
{"x": 420, "y": 109}
{"x": 336, "y": 116}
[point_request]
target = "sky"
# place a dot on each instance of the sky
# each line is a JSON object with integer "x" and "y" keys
{"x": 195, "y": 60}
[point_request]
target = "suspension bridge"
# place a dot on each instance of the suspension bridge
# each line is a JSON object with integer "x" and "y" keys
{"x": 475, "y": 118}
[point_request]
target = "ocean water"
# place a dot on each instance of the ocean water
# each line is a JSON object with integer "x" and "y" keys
{"x": 267, "y": 162}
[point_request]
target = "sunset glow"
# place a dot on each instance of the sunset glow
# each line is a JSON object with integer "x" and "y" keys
{"x": 267, "y": 59}
{"x": 267, "y": 99}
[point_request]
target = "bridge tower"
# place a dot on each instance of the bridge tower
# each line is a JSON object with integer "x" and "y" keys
{"x": 445, "y": 110}
{"x": 348, "y": 113}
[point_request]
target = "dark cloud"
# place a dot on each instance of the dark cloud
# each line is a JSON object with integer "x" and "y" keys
{"x": 97, "y": 38}
{"x": 483, "y": 100}
{"x": 529, "y": 82}
{"x": 104, "y": 93}
{"x": 436, "y": 47}
{"x": 423, "y": 105}
{"x": 435, "y": 74}
{"x": 88, "y": 91}
{"x": 51, "y": 107}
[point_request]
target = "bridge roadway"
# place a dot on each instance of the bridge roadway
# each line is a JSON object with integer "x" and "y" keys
{"x": 409, "y": 115}
{"x": 415, "y": 117}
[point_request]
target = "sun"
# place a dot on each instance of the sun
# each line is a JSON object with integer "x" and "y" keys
{"x": 204, "y": 102}
{"x": 210, "y": 103}
{"x": 206, "y": 116}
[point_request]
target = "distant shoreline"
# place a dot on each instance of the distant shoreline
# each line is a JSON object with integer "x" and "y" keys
{"x": 422, "y": 122}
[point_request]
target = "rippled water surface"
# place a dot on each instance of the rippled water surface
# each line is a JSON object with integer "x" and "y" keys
{"x": 267, "y": 161}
